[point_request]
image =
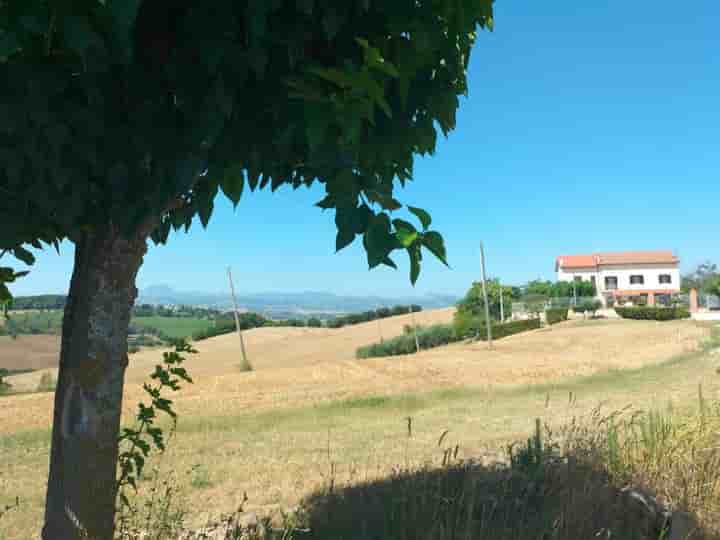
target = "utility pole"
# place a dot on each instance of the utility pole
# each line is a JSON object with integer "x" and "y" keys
{"x": 377, "y": 314}
{"x": 574, "y": 293}
{"x": 417, "y": 342}
{"x": 245, "y": 366}
{"x": 485, "y": 296}
{"x": 502, "y": 307}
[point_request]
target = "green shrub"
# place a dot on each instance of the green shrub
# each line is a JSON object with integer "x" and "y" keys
{"x": 556, "y": 315}
{"x": 428, "y": 337}
{"x": 515, "y": 327}
{"x": 467, "y": 326}
{"x": 588, "y": 306}
{"x": 653, "y": 313}
{"x": 442, "y": 334}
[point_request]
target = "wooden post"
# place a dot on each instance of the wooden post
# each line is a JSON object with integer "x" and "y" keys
{"x": 417, "y": 342}
{"x": 485, "y": 296}
{"x": 245, "y": 366}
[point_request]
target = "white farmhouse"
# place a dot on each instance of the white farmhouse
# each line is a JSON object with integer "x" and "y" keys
{"x": 637, "y": 277}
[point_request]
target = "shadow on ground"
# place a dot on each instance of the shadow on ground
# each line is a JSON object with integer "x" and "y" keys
{"x": 563, "y": 500}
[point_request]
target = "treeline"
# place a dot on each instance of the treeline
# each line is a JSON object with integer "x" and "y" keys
{"x": 226, "y": 324}
{"x": 367, "y": 316}
{"x": 150, "y": 310}
{"x": 43, "y": 301}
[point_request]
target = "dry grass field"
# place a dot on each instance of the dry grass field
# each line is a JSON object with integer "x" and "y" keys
{"x": 310, "y": 410}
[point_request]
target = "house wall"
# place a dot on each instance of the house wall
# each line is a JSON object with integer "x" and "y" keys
{"x": 651, "y": 273}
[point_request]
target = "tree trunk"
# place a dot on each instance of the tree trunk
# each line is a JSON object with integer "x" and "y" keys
{"x": 81, "y": 494}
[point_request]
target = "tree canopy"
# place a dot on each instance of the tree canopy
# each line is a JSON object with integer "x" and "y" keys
{"x": 705, "y": 278}
{"x": 138, "y": 113}
{"x": 473, "y": 303}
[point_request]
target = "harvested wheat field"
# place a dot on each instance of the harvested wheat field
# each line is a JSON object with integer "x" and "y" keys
{"x": 309, "y": 407}
{"x": 29, "y": 352}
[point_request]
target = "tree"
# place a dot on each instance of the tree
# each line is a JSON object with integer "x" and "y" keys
{"x": 705, "y": 278}
{"x": 314, "y": 322}
{"x": 124, "y": 119}
{"x": 474, "y": 303}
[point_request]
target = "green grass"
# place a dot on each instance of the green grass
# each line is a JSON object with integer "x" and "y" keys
{"x": 174, "y": 327}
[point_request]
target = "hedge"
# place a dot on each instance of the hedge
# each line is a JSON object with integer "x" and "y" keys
{"x": 367, "y": 316}
{"x": 653, "y": 313}
{"x": 556, "y": 315}
{"x": 441, "y": 334}
{"x": 590, "y": 306}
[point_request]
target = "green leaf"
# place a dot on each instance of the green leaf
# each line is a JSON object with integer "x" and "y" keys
{"x": 326, "y": 203}
{"x": 361, "y": 218}
{"x": 378, "y": 240}
{"x": 9, "y": 44}
{"x": 415, "y": 258}
{"x": 124, "y": 13}
{"x": 422, "y": 215}
{"x": 78, "y": 34}
{"x": 305, "y": 6}
{"x": 343, "y": 239}
{"x": 24, "y": 255}
{"x": 434, "y": 242}
{"x": 232, "y": 184}
{"x": 387, "y": 261}
{"x": 405, "y": 232}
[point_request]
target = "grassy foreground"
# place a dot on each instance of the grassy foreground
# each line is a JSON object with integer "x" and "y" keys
{"x": 385, "y": 446}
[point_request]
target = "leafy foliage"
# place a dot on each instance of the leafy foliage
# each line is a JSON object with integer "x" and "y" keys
{"x": 139, "y": 113}
{"x": 651, "y": 313}
{"x": 474, "y": 302}
{"x": 366, "y": 316}
{"x": 137, "y": 442}
{"x": 556, "y": 315}
{"x": 588, "y": 306}
{"x": 705, "y": 278}
{"x": 469, "y": 326}
{"x": 443, "y": 334}
{"x": 561, "y": 289}
{"x": 428, "y": 337}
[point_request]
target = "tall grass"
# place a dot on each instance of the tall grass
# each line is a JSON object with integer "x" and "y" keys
{"x": 574, "y": 482}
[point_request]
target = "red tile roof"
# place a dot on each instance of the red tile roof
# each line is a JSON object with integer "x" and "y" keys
{"x": 618, "y": 257}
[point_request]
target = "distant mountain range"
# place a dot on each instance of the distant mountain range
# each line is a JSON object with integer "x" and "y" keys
{"x": 298, "y": 303}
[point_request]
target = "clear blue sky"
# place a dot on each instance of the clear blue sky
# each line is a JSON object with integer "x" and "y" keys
{"x": 589, "y": 126}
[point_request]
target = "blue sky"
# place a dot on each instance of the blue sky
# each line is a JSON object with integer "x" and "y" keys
{"x": 589, "y": 126}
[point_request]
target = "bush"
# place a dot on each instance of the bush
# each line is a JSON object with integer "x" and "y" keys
{"x": 314, "y": 322}
{"x": 467, "y": 326}
{"x": 651, "y": 313}
{"x": 367, "y": 316}
{"x": 428, "y": 337}
{"x": 588, "y": 306}
{"x": 443, "y": 334}
{"x": 556, "y": 315}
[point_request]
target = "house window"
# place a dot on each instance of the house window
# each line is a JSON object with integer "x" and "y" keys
{"x": 637, "y": 280}
{"x": 578, "y": 278}
{"x": 611, "y": 283}
{"x": 665, "y": 278}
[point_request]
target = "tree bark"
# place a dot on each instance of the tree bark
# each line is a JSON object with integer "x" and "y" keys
{"x": 81, "y": 493}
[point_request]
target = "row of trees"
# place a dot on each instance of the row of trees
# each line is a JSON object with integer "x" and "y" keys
{"x": 560, "y": 289}
{"x": 372, "y": 315}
